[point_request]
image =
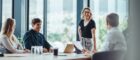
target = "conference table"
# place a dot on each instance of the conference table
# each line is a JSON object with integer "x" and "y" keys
{"x": 46, "y": 56}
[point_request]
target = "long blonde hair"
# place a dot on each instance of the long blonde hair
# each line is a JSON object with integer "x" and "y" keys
{"x": 9, "y": 23}
{"x": 82, "y": 16}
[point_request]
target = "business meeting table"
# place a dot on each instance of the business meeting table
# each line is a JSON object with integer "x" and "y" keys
{"x": 46, "y": 56}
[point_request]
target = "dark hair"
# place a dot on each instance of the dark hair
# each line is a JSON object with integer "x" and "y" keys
{"x": 36, "y": 20}
{"x": 113, "y": 19}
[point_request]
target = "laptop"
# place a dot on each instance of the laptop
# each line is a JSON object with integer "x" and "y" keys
{"x": 69, "y": 48}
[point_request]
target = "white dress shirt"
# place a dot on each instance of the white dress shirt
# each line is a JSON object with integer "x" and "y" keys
{"x": 114, "y": 40}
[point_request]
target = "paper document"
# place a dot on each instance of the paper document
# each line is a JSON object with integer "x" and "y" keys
{"x": 78, "y": 45}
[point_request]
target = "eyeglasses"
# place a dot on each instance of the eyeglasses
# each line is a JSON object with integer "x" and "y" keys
{"x": 87, "y": 12}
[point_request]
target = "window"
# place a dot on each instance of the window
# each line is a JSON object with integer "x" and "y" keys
{"x": 36, "y": 11}
{"x": 61, "y": 22}
{"x": 100, "y": 8}
{"x": 6, "y": 9}
{"x": 85, "y": 3}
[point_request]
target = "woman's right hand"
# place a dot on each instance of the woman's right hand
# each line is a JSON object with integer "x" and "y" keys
{"x": 84, "y": 51}
{"x": 26, "y": 51}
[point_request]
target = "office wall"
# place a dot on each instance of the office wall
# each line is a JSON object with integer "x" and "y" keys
{"x": 0, "y": 13}
{"x": 134, "y": 30}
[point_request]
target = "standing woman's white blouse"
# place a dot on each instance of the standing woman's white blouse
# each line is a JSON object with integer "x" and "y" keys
{"x": 8, "y": 45}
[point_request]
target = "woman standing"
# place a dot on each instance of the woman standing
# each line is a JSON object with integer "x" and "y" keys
{"x": 86, "y": 30}
{"x": 8, "y": 41}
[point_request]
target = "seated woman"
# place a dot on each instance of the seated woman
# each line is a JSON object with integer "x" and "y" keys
{"x": 8, "y": 41}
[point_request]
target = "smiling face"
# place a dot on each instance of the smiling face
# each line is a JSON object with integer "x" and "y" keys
{"x": 87, "y": 14}
{"x": 36, "y": 24}
{"x": 37, "y": 27}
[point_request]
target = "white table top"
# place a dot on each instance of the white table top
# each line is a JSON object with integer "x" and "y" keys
{"x": 45, "y": 56}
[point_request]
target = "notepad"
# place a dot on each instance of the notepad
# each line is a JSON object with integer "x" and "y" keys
{"x": 78, "y": 45}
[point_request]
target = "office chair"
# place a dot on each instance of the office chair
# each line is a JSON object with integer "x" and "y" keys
{"x": 108, "y": 55}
